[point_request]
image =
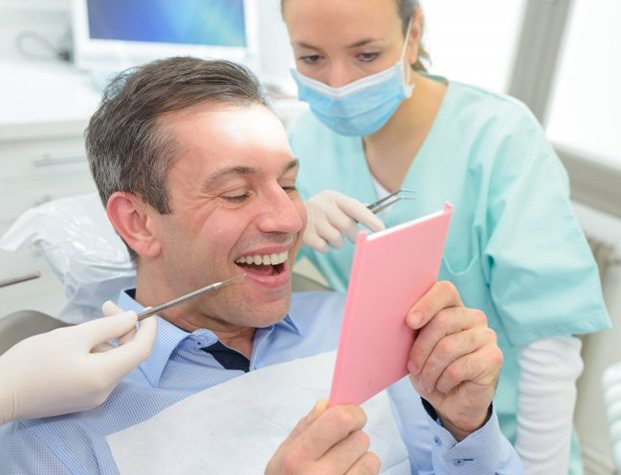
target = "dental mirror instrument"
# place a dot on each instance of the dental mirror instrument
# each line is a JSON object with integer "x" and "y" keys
{"x": 186, "y": 298}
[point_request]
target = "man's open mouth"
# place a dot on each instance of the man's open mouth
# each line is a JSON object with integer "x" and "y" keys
{"x": 267, "y": 264}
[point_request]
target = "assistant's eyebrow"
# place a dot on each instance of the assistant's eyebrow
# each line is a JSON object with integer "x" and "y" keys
{"x": 355, "y": 44}
{"x": 304, "y": 44}
{"x": 363, "y": 42}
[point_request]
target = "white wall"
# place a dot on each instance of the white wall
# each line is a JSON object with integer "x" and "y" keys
{"x": 583, "y": 116}
{"x": 48, "y": 18}
{"x": 466, "y": 46}
{"x": 275, "y": 52}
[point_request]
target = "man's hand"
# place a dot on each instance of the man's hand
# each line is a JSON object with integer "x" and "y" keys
{"x": 455, "y": 362}
{"x": 326, "y": 441}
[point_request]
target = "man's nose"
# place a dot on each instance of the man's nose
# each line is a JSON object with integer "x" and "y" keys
{"x": 283, "y": 214}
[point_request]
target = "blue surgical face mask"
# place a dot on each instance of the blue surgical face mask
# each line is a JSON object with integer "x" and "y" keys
{"x": 360, "y": 107}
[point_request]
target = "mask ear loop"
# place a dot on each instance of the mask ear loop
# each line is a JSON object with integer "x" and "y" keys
{"x": 408, "y": 74}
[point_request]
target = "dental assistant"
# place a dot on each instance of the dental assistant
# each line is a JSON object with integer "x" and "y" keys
{"x": 74, "y": 368}
{"x": 515, "y": 251}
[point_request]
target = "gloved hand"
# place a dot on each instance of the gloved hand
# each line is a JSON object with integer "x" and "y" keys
{"x": 332, "y": 214}
{"x": 59, "y": 372}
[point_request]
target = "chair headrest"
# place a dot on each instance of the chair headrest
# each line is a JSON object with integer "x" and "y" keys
{"x": 82, "y": 248}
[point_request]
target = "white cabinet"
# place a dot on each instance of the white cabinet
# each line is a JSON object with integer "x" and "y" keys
{"x": 44, "y": 109}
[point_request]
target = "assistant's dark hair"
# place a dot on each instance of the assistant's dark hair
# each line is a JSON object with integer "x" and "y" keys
{"x": 406, "y": 9}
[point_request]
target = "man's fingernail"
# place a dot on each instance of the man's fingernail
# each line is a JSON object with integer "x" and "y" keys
{"x": 319, "y": 407}
{"x": 414, "y": 319}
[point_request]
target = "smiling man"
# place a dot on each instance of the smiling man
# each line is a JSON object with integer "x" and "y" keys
{"x": 199, "y": 181}
{"x": 234, "y": 210}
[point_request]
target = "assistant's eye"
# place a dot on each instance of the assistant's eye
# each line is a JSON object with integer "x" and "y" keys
{"x": 309, "y": 58}
{"x": 290, "y": 189}
{"x": 368, "y": 57}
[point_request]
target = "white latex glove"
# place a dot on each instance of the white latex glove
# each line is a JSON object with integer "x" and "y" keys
{"x": 60, "y": 371}
{"x": 332, "y": 214}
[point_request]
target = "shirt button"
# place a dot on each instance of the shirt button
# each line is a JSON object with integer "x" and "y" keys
{"x": 437, "y": 441}
{"x": 458, "y": 462}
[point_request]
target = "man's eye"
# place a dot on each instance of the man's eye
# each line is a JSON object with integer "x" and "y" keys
{"x": 290, "y": 189}
{"x": 237, "y": 198}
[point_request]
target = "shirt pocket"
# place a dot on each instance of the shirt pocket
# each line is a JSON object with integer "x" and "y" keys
{"x": 475, "y": 293}
{"x": 470, "y": 282}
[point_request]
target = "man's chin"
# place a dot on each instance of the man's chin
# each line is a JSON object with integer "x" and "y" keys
{"x": 260, "y": 296}
{"x": 264, "y": 314}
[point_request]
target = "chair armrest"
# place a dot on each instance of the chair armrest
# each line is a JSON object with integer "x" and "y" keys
{"x": 19, "y": 325}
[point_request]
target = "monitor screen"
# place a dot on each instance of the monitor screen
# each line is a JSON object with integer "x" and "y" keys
{"x": 115, "y": 34}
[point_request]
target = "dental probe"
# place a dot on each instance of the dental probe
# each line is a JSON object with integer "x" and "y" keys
{"x": 186, "y": 298}
{"x": 20, "y": 279}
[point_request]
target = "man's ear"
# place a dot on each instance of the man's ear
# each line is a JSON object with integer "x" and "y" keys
{"x": 131, "y": 217}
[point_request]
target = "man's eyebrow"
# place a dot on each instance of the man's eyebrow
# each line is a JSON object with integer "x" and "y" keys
{"x": 230, "y": 171}
{"x": 295, "y": 163}
{"x": 244, "y": 171}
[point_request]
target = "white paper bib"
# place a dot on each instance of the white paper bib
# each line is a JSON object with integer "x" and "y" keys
{"x": 236, "y": 427}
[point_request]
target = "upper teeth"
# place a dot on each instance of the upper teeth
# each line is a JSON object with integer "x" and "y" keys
{"x": 267, "y": 259}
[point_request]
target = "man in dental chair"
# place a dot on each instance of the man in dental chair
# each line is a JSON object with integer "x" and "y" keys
{"x": 199, "y": 181}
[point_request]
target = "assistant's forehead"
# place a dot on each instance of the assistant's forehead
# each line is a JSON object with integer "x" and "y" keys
{"x": 339, "y": 18}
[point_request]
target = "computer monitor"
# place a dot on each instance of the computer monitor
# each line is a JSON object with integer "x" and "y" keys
{"x": 111, "y": 35}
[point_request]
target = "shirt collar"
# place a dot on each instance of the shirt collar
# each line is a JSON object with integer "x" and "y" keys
{"x": 170, "y": 336}
{"x": 289, "y": 324}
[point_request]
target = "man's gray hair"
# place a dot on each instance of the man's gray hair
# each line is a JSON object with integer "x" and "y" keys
{"x": 126, "y": 149}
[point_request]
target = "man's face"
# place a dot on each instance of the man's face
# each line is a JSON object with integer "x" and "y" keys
{"x": 235, "y": 209}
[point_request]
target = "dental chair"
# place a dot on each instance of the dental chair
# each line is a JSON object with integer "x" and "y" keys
{"x": 16, "y": 326}
{"x": 89, "y": 258}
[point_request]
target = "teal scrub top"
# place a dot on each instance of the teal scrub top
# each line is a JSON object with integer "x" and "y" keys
{"x": 514, "y": 248}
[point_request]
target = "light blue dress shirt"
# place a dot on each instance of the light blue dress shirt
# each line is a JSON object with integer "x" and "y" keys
{"x": 178, "y": 367}
{"x": 514, "y": 247}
